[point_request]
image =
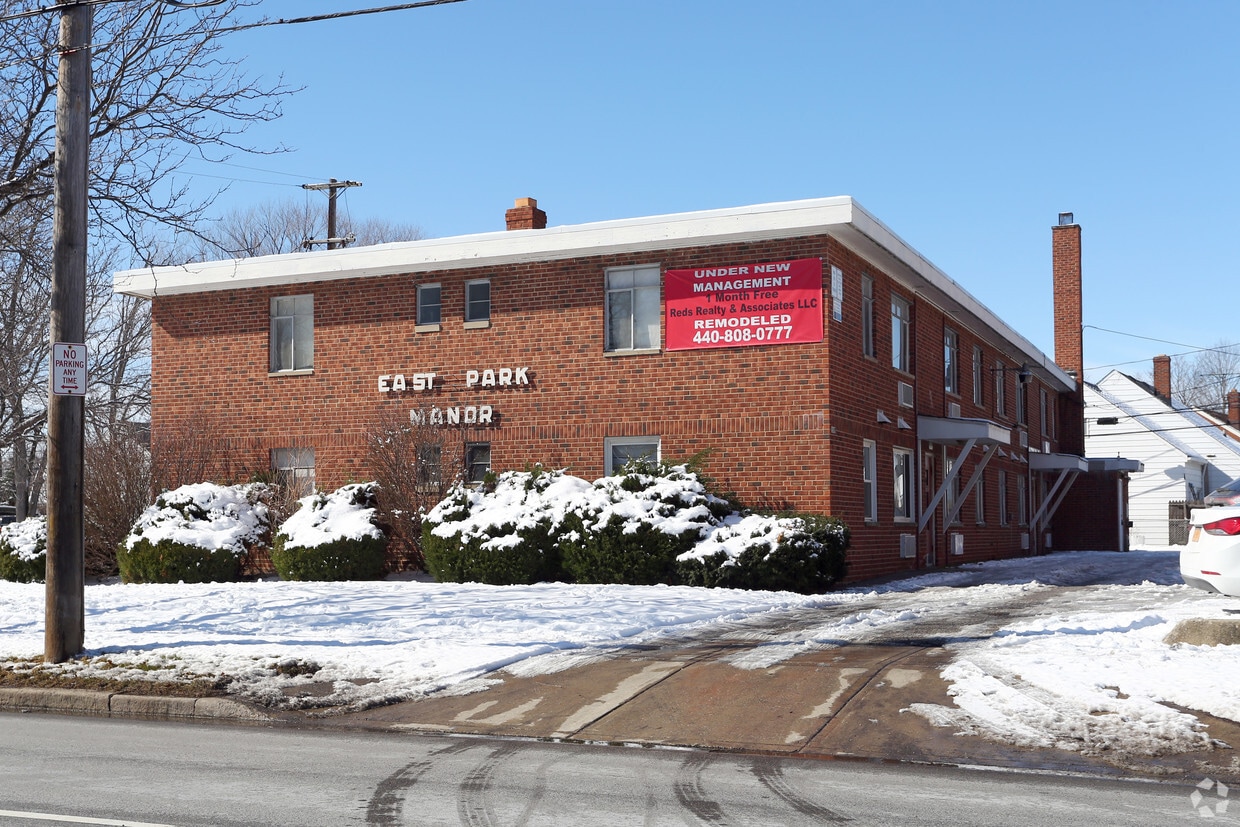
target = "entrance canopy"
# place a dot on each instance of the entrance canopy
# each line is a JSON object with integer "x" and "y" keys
{"x": 963, "y": 434}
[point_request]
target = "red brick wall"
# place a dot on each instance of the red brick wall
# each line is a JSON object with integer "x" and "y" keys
{"x": 784, "y": 423}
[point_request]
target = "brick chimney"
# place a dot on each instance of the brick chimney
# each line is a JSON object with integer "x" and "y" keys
{"x": 1066, "y": 273}
{"x": 1233, "y": 407}
{"x": 525, "y": 215}
{"x": 1162, "y": 377}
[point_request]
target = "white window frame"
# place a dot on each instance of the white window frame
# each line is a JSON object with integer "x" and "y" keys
{"x": 1022, "y": 505}
{"x": 951, "y": 361}
{"x": 837, "y": 293}
{"x": 901, "y": 330}
{"x": 295, "y": 469}
{"x": 1005, "y": 516}
{"x": 903, "y": 488}
{"x": 475, "y": 470}
{"x": 422, "y": 323}
{"x": 867, "y": 316}
{"x": 477, "y": 310}
{"x": 612, "y": 442}
{"x": 291, "y": 337}
{"x": 1022, "y": 400}
{"x": 1000, "y": 388}
{"x": 979, "y": 501}
{"x": 979, "y": 377}
{"x": 951, "y": 494}
{"x": 632, "y": 314}
{"x": 869, "y": 480}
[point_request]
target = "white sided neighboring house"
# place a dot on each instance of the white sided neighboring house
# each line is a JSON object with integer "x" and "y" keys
{"x": 1186, "y": 453}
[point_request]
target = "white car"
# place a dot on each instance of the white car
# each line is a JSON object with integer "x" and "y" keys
{"x": 1211, "y": 560}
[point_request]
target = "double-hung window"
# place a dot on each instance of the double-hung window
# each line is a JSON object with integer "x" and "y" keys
{"x": 869, "y": 481}
{"x": 1000, "y": 385}
{"x": 1005, "y": 516}
{"x": 478, "y": 303}
{"x": 1022, "y": 416}
{"x": 951, "y": 361}
{"x": 477, "y": 461}
{"x": 632, "y": 308}
{"x": 430, "y": 305}
{"x": 292, "y": 333}
{"x": 901, "y": 318}
{"x": 867, "y": 316}
{"x": 903, "y": 480}
{"x": 979, "y": 377}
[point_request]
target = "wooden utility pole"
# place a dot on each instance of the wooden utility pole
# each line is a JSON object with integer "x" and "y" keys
{"x": 65, "y": 607}
{"x": 332, "y": 241}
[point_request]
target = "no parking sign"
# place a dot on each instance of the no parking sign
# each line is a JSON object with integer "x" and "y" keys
{"x": 69, "y": 369}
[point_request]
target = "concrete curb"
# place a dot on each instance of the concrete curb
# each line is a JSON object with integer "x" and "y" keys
{"x": 116, "y": 705}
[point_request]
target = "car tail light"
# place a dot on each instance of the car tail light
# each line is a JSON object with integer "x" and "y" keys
{"x": 1228, "y": 527}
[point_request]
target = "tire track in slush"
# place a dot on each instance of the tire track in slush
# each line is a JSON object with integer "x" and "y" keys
{"x": 772, "y": 777}
{"x": 473, "y": 805}
{"x": 386, "y": 806}
{"x": 692, "y": 795}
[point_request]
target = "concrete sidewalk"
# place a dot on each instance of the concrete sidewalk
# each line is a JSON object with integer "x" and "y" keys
{"x": 845, "y": 702}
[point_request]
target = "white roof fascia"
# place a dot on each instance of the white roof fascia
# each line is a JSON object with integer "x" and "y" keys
{"x": 839, "y": 216}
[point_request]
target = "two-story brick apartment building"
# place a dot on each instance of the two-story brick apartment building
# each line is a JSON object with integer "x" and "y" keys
{"x": 825, "y": 365}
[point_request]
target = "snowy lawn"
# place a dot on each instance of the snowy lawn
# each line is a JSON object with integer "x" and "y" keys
{"x": 1089, "y": 672}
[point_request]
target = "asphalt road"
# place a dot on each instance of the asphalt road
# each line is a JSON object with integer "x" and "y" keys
{"x": 67, "y": 770}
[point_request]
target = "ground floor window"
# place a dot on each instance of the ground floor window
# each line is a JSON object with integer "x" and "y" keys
{"x": 903, "y": 462}
{"x": 979, "y": 501}
{"x": 295, "y": 469}
{"x": 1022, "y": 514}
{"x": 870, "y": 483}
{"x": 621, "y": 450}
{"x": 1005, "y": 516}
{"x": 477, "y": 461}
{"x": 430, "y": 466}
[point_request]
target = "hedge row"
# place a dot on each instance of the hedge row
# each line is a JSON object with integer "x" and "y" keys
{"x": 650, "y": 524}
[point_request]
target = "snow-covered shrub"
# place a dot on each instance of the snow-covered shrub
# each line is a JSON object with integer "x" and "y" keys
{"x": 634, "y": 524}
{"x": 23, "y": 551}
{"x": 196, "y": 534}
{"x": 801, "y": 553}
{"x": 503, "y": 533}
{"x": 332, "y": 537}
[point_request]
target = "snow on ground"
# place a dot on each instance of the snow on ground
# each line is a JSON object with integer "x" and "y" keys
{"x": 1086, "y": 669}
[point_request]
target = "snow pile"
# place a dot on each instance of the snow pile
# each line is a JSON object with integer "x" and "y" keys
{"x": 348, "y": 513}
{"x": 26, "y": 540}
{"x": 205, "y": 515}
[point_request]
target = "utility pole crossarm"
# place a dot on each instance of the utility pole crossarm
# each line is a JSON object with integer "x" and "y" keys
{"x": 332, "y": 186}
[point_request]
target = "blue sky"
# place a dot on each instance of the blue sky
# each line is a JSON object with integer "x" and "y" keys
{"x": 966, "y": 127}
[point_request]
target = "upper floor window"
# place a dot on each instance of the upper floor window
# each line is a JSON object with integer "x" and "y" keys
{"x": 478, "y": 301}
{"x": 901, "y": 318}
{"x": 951, "y": 361}
{"x": 292, "y": 333}
{"x": 867, "y": 316}
{"x": 837, "y": 293}
{"x": 430, "y": 304}
{"x": 632, "y": 308}
{"x": 477, "y": 461}
{"x": 1021, "y": 414}
{"x": 979, "y": 377}
{"x": 1000, "y": 398}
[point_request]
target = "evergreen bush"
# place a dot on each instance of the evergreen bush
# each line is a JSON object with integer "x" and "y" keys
{"x": 507, "y": 531}
{"x": 196, "y": 534}
{"x": 332, "y": 537}
{"x": 804, "y": 553}
{"x": 23, "y": 551}
{"x": 637, "y": 523}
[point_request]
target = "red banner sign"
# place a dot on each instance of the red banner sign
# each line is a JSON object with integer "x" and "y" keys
{"x": 773, "y": 303}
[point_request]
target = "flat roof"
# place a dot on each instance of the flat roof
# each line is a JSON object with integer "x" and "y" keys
{"x": 839, "y": 217}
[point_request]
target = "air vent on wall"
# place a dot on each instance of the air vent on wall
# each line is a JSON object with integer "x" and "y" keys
{"x": 908, "y": 546}
{"x": 906, "y": 394}
{"x": 1024, "y": 439}
{"x": 953, "y": 410}
{"x": 957, "y": 543}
